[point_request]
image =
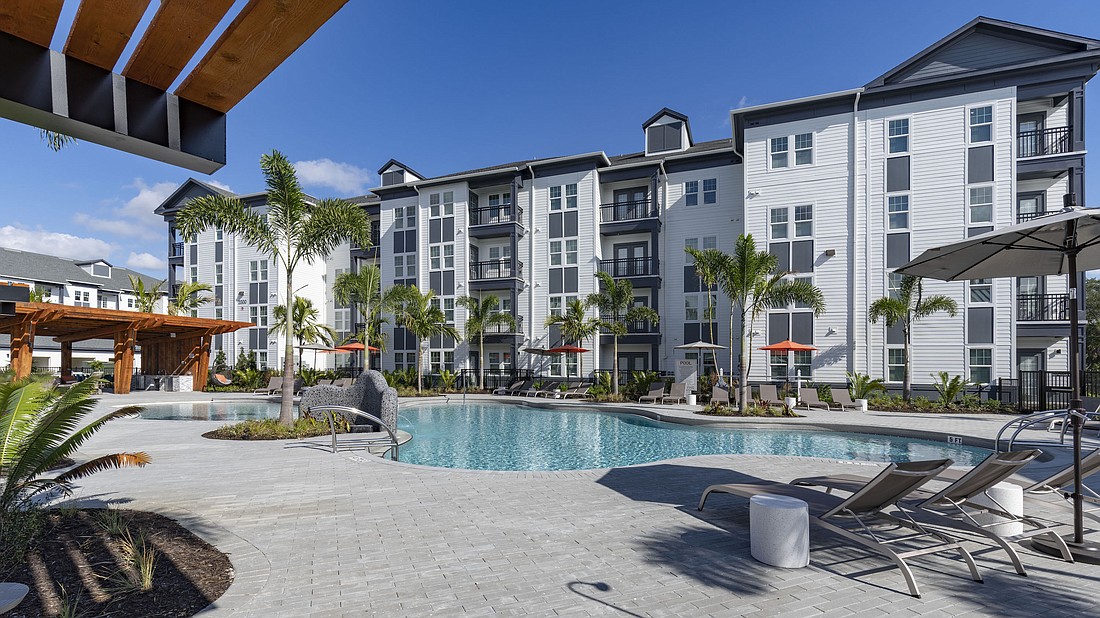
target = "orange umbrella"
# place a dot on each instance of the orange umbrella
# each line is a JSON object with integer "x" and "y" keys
{"x": 354, "y": 347}
{"x": 567, "y": 349}
{"x": 788, "y": 346}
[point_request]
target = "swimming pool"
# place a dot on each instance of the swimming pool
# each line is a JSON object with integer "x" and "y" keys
{"x": 508, "y": 436}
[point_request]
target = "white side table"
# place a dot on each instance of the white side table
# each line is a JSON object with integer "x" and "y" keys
{"x": 1011, "y": 498}
{"x": 11, "y": 594}
{"x": 779, "y": 531}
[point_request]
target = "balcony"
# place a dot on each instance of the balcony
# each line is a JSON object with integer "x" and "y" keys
{"x": 499, "y": 333}
{"x": 1023, "y": 217}
{"x": 644, "y": 272}
{"x": 176, "y": 290}
{"x": 629, "y": 217}
{"x": 372, "y": 251}
{"x": 1042, "y": 307}
{"x": 495, "y": 275}
{"x": 175, "y": 250}
{"x": 1044, "y": 142}
{"x": 643, "y": 332}
{"x": 496, "y": 221}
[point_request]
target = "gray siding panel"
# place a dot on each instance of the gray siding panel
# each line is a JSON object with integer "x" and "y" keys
{"x": 897, "y": 174}
{"x": 897, "y": 250}
{"x": 978, "y": 51}
{"x": 802, "y": 256}
{"x": 778, "y": 327}
{"x": 979, "y": 164}
{"x": 979, "y": 325}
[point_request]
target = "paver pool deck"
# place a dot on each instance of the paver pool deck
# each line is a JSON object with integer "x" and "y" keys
{"x": 314, "y": 533}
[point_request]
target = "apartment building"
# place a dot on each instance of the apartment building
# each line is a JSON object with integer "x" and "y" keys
{"x": 980, "y": 130}
{"x": 81, "y": 283}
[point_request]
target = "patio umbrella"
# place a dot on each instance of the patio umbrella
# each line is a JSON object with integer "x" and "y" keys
{"x": 787, "y": 346}
{"x": 703, "y": 345}
{"x": 1063, "y": 243}
{"x": 354, "y": 347}
{"x": 567, "y": 349}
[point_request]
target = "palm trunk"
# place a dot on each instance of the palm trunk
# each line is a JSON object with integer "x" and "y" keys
{"x": 731, "y": 343}
{"x": 366, "y": 340}
{"x": 615, "y": 365}
{"x": 481, "y": 360}
{"x": 286, "y": 406}
{"x": 744, "y": 373}
{"x": 906, "y": 383}
{"x": 419, "y": 368}
{"x": 711, "y": 314}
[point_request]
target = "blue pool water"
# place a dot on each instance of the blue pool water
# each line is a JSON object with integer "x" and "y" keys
{"x": 502, "y": 436}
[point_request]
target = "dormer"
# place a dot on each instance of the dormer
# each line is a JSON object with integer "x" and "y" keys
{"x": 667, "y": 131}
{"x": 98, "y": 268}
{"x": 396, "y": 173}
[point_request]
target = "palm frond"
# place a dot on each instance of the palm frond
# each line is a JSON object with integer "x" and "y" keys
{"x": 330, "y": 224}
{"x": 106, "y": 462}
{"x": 232, "y": 216}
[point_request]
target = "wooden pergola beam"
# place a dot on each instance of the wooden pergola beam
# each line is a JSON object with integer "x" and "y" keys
{"x": 124, "y": 359}
{"x": 97, "y": 333}
{"x": 101, "y": 30}
{"x": 30, "y": 20}
{"x": 177, "y": 31}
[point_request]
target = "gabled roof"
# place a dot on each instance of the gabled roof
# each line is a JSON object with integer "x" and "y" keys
{"x": 24, "y": 265}
{"x": 696, "y": 149}
{"x": 675, "y": 114}
{"x": 984, "y": 43}
{"x": 190, "y": 185}
{"x": 408, "y": 169}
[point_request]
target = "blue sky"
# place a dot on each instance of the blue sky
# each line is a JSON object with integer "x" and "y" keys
{"x": 446, "y": 86}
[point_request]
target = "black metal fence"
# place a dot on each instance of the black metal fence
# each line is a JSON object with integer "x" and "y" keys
{"x": 1044, "y": 390}
{"x": 495, "y": 269}
{"x": 627, "y": 211}
{"x": 630, "y": 267}
{"x": 1057, "y": 140}
{"x": 1042, "y": 307}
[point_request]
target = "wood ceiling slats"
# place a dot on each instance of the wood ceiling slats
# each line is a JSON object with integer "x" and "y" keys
{"x": 102, "y": 29}
{"x": 31, "y": 20}
{"x": 263, "y": 35}
{"x": 177, "y": 31}
{"x": 71, "y": 323}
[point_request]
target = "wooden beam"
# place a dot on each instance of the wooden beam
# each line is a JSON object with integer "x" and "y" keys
{"x": 201, "y": 374}
{"x": 96, "y": 333}
{"x": 259, "y": 39}
{"x": 169, "y": 338}
{"x": 101, "y": 30}
{"x": 66, "y": 359}
{"x": 177, "y": 31}
{"x": 22, "y": 348}
{"x": 124, "y": 360}
{"x": 30, "y": 20}
{"x": 41, "y": 316}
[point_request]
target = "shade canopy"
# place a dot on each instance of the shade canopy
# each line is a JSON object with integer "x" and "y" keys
{"x": 700, "y": 345}
{"x": 788, "y": 346}
{"x": 567, "y": 349}
{"x": 355, "y": 347}
{"x": 539, "y": 352}
{"x": 1034, "y": 248}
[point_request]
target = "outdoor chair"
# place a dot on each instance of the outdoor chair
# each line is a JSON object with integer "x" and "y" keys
{"x": 344, "y": 382}
{"x": 676, "y": 394}
{"x": 221, "y": 380}
{"x": 842, "y": 399}
{"x": 655, "y": 393}
{"x": 274, "y": 385}
{"x": 522, "y": 388}
{"x": 505, "y": 391}
{"x": 548, "y": 390}
{"x": 580, "y": 392}
{"x": 769, "y": 394}
{"x": 1053, "y": 484}
{"x": 719, "y": 395}
{"x": 953, "y": 508}
{"x": 324, "y": 382}
{"x": 851, "y": 518}
{"x": 810, "y": 399}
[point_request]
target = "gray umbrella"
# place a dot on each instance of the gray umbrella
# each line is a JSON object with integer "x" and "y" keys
{"x": 1063, "y": 243}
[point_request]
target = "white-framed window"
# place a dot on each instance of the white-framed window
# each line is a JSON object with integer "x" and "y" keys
{"x": 446, "y": 304}
{"x": 257, "y": 314}
{"x": 257, "y": 270}
{"x": 218, "y": 233}
{"x": 556, "y": 253}
{"x": 571, "y": 251}
{"x": 981, "y": 365}
{"x": 442, "y": 359}
{"x": 778, "y": 363}
{"x": 804, "y": 149}
{"x": 404, "y": 265}
{"x": 895, "y": 364}
{"x": 897, "y": 136}
{"x": 563, "y": 195}
{"x": 557, "y": 305}
{"x": 82, "y": 298}
{"x": 404, "y": 360}
{"x": 218, "y": 274}
{"x": 806, "y": 279}
{"x": 981, "y": 204}
{"x": 893, "y": 284}
{"x": 710, "y": 190}
{"x": 691, "y": 193}
{"x": 981, "y": 124}
{"x": 261, "y": 360}
{"x": 801, "y": 364}
{"x": 404, "y": 217}
{"x": 981, "y": 290}
{"x": 130, "y": 302}
{"x": 218, "y": 313}
{"x": 779, "y": 149}
{"x": 441, "y": 204}
{"x": 194, "y": 274}
{"x": 441, "y": 257}
{"x": 779, "y": 218}
{"x": 803, "y": 221}
{"x": 692, "y": 310}
{"x": 897, "y": 209}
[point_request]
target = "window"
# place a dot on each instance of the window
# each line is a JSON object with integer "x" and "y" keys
{"x": 568, "y": 191}
{"x": 801, "y": 363}
{"x": 571, "y": 251}
{"x": 194, "y": 274}
{"x": 804, "y": 149}
{"x": 218, "y": 233}
{"x": 129, "y": 303}
{"x": 691, "y": 193}
{"x": 393, "y": 177}
{"x": 779, "y": 222}
{"x": 778, "y": 363}
{"x": 555, "y": 253}
{"x": 981, "y": 291}
{"x": 779, "y": 152}
{"x": 691, "y": 308}
{"x": 441, "y": 257}
{"x": 218, "y": 313}
{"x": 442, "y": 360}
{"x": 981, "y": 365}
{"x": 82, "y": 299}
{"x": 981, "y": 204}
{"x": 691, "y": 243}
{"x": 257, "y": 270}
{"x": 404, "y": 265}
{"x": 898, "y": 136}
{"x": 710, "y": 242}
{"x": 981, "y": 124}
{"x": 897, "y": 207}
{"x": 261, "y": 360}
{"x": 404, "y": 217}
{"x": 442, "y": 203}
{"x": 257, "y": 314}
{"x": 446, "y": 304}
{"x": 218, "y": 274}
{"x": 895, "y": 364}
{"x": 893, "y": 284}
{"x": 803, "y": 221}
{"x": 556, "y": 305}
{"x": 710, "y": 191}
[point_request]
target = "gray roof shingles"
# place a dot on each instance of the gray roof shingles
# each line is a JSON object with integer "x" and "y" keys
{"x": 24, "y": 265}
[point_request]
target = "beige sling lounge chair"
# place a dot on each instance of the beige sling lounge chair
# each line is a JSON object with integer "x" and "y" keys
{"x": 810, "y": 399}
{"x": 274, "y": 385}
{"x": 676, "y": 394}
{"x": 1090, "y": 464}
{"x": 842, "y": 399}
{"x": 719, "y": 395}
{"x": 655, "y": 393}
{"x": 770, "y": 395}
{"x": 505, "y": 391}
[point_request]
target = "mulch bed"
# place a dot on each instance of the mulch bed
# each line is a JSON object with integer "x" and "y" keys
{"x": 77, "y": 560}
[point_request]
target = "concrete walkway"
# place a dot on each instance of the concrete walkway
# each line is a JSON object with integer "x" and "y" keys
{"x": 315, "y": 533}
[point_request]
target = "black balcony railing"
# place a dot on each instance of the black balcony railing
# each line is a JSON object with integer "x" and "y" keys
{"x": 643, "y": 326}
{"x": 627, "y": 211}
{"x": 175, "y": 249}
{"x": 1058, "y": 140}
{"x": 1022, "y": 217}
{"x": 1042, "y": 307}
{"x": 495, "y": 269}
{"x": 505, "y": 329}
{"x": 501, "y": 213}
{"x": 630, "y": 267}
{"x": 176, "y": 290}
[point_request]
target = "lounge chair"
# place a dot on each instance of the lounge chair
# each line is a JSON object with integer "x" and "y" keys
{"x": 851, "y": 517}
{"x": 952, "y": 507}
{"x": 274, "y": 385}
{"x": 522, "y": 388}
{"x": 810, "y": 399}
{"x": 551, "y": 389}
{"x": 344, "y": 382}
{"x": 719, "y": 395}
{"x": 677, "y": 393}
{"x": 655, "y": 394}
{"x": 505, "y": 391}
{"x": 324, "y": 382}
{"x": 770, "y": 395}
{"x": 843, "y": 399}
{"x": 580, "y": 392}
{"x": 1090, "y": 464}
{"x": 221, "y": 380}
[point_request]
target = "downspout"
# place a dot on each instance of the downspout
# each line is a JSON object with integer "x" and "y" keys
{"x": 531, "y": 259}
{"x": 662, "y": 188}
{"x": 852, "y": 240}
{"x": 744, "y": 219}
{"x": 866, "y": 244}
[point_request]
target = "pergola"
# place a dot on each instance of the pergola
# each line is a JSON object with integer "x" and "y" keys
{"x": 170, "y": 345}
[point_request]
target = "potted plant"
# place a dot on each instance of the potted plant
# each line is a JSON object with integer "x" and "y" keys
{"x": 862, "y": 387}
{"x": 789, "y": 400}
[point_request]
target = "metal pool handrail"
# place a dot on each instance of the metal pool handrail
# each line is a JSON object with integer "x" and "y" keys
{"x": 1037, "y": 418}
{"x": 330, "y": 415}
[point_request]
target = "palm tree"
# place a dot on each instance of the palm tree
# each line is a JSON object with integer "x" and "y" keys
{"x": 576, "y": 326}
{"x": 146, "y": 300}
{"x": 753, "y": 282}
{"x": 293, "y": 230}
{"x": 424, "y": 319}
{"x": 364, "y": 290}
{"x": 38, "y": 430}
{"x": 708, "y": 267}
{"x": 308, "y": 328}
{"x": 615, "y": 300}
{"x": 909, "y": 306}
{"x": 482, "y": 314}
{"x": 187, "y": 298}
{"x": 39, "y": 295}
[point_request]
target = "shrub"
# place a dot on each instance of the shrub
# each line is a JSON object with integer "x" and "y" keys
{"x": 602, "y": 386}
{"x": 449, "y": 379}
{"x": 248, "y": 378}
{"x": 863, "y": 386}
{"x": 949, "y": 387}
{"x": 639, "y": 382}
{"x": 270, "y": 429}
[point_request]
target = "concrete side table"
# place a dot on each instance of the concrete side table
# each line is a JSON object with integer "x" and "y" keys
{"x": 1011, "y": 499}
{"x": 11, "y": 594}
{"x": 779, "y": 531}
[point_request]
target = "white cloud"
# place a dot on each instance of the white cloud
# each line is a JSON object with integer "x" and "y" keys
{"x": 342, "y": 177}
{"x": 145, "y": 261}
{"x": 53, "y": 243}
{"x": 743, "y": 101}
{"x": 134, "y": 219}
{"x": 220, "y": 185}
